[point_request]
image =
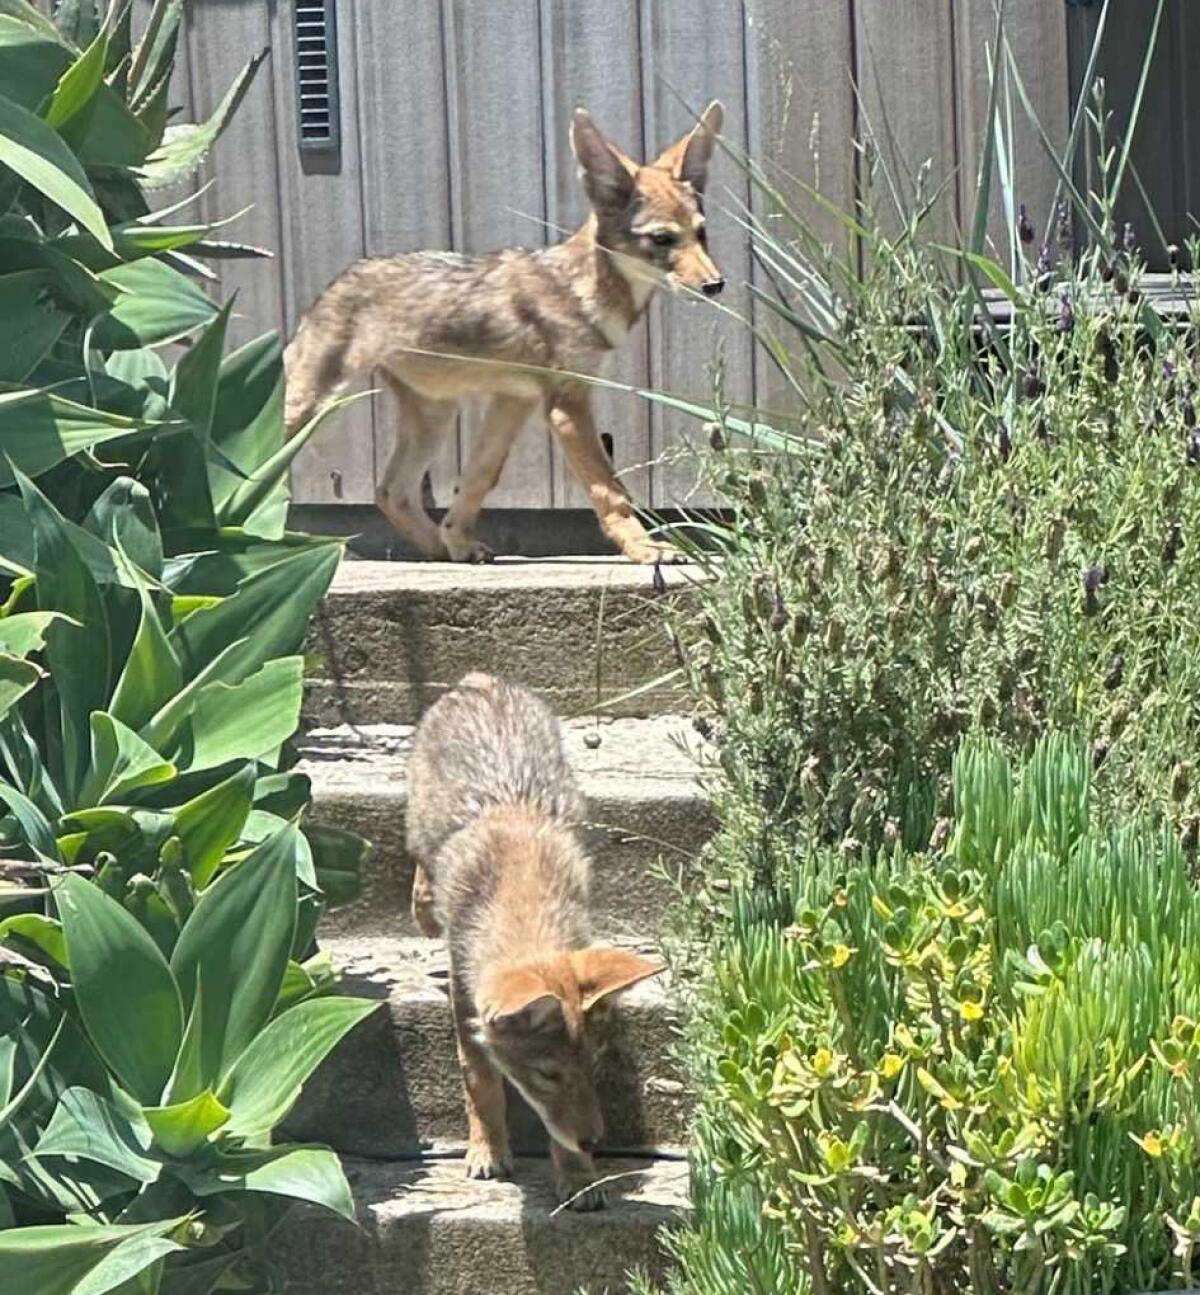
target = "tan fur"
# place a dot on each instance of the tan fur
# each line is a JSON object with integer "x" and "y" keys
{"x": 491, "y": 814}
{"x": 441, "y": 328}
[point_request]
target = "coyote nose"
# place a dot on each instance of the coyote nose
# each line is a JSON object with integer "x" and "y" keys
{"x": 589, "y": 1146}
{"x": 712, "y": 287}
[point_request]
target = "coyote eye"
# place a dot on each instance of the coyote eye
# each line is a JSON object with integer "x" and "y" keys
{"x": 549, "y": 1074}
{"x": 664, "y": 238}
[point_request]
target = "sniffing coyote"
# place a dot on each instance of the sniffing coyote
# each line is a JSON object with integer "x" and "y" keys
{"x": 491, "y": 808}
{"x": 441, "y": 327}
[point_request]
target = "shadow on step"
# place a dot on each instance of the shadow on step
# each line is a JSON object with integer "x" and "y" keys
{"x": 426, "y": 1231}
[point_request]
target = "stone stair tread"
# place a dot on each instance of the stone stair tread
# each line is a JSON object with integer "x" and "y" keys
{"x": 608, "y": 572}
{"x": 635, "y": 758}
{"x": 425, "y": 1227}
{"x": 412, "y": 964}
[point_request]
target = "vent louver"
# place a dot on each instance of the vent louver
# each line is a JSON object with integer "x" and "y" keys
{"x": 316, "y": 76}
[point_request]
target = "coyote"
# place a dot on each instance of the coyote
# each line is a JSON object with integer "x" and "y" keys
{"x": 491, "y": 804}
{"x": 440, "y": 327}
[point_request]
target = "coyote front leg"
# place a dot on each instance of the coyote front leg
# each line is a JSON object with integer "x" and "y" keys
{"x": 572, "y": 422}
{"x": 488, "y": 1154}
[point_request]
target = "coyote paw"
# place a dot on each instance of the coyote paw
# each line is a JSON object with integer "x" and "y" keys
{"x": 577, "y": 1195}
{"x": 483, "y": 1162}
{"x": 646, "y": 552}
{"x": 474, "y": 551}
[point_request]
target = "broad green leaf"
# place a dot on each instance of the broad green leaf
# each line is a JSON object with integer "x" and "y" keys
{"x": 123, "y": 518}
{"x": 270, "y": 478}
{"x": 35, "y": 152}
{"x": 43, "y": 932}
{"x": 121, "y": 763}
{"x": 150, "y": 676}
{"x": 158, "y": 304}
{"x": 194, "y": 382}
{"x": 17, "y": 677}
{"x": 183, "y": 468}
{"x": 34, "y": 826}
{"x": 126, "y": 993}
{"x": 78, "y": 84}
{"x": 187, "y": 1076}
{"x": 39, "y": 429}
{"x": 30, "y": 322}
{"x": 212, "y": 821}
{"x": 22, "y": 11}
{"x": 77, "y": 653}
{"x": 180, "y": 1129}
{"x": 245, "y": 721}
{"x": 237, "y": 941}
{"x": 25, "y": 632}
{"x": 185, "y": 147}
{"x": 270, "y": 611}
{"x": 338, "y": 858}
{"x": 37, "y": 1019}
{"x": 267, "y": 1078}
{"x": 11, "y": 1103}
{"x": 118, "y": 1270}
{"x": 89, "y": 1127}
{"x": 312, "y": 1174}
{"x": 53, "y": 1259}
{"x": 78, "y": 20}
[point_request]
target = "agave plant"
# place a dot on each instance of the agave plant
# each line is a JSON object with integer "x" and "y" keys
{"x": 162, "y": 999}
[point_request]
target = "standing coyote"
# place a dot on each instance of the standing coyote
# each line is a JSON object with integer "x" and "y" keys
{"x": 491, "y": 808}
{"x": 441, "y": 327}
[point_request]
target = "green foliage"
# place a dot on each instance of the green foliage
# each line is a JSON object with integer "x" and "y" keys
{"x": 161, "y": 997}
{"x": 944, "y": 524}
{"x": 973, "y": 1070}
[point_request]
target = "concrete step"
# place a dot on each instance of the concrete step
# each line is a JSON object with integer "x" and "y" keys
{"x": 644, "y": 805}
{"x": 392, "y": 1086}
{"x": 391, "y": 637}
{"x": 424, "y": 1228}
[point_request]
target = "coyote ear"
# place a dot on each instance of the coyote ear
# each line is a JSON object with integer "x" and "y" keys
{"x": 601, "y": 972}
{"x": 688, "y": 158}
{"x": 606, "y": 172}
{"x": 517, "y": 996}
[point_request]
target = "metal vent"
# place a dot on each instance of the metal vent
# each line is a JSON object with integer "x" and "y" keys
{"x": 316, "y": 76}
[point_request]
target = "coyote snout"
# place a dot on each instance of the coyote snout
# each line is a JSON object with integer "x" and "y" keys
{"x": 514, "y": 327}
{"x": 491, "y": 808}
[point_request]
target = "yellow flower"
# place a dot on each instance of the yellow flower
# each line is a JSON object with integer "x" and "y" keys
{"x": 970, "y": 1011}
{"x": 891, "y": 1065}
{"x": 841, "y": 955}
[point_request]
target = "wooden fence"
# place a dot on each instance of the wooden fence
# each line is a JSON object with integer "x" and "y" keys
{"x": 453, "y": 121}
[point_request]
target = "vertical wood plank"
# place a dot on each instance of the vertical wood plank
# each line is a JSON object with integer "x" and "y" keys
{"x": 905, "y": 72}
{"x": 800, "y": 113}
{"x": 497, "y": 178}
{"x": 697, "y": 51}
{"x": 591, "y": 58}
{"x": 1160, "y": 144}
{"x": 321, "y": 233}
{"x": 222, "y": 37}
{"x": 405, "y": 162}
{"x": 1188, "y": 44}
{"x": 1037, "y": 33}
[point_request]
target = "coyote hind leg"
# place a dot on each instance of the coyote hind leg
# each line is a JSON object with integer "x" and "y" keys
{"x": 422, "y": 905}
{"x": 505, "y": 417}
{"x": 423, "y": 426}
